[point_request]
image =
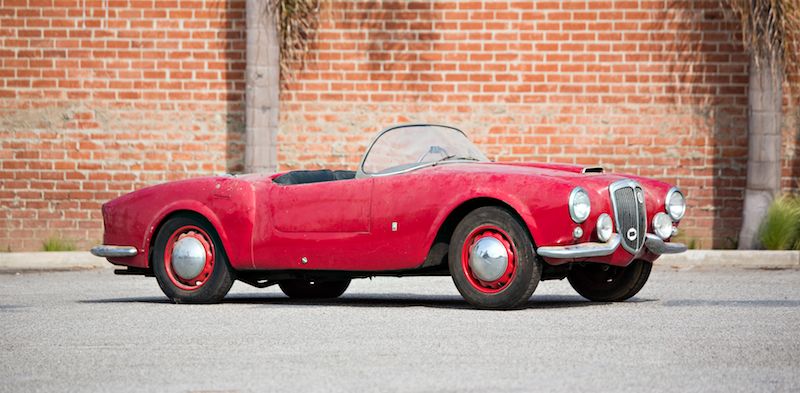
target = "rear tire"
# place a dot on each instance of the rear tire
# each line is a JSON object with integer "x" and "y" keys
{"x": 216, "y": 277}
{"x": 303, "y": 289}
{"x": 603, "y": 283}
{"x": 484, "y": 280}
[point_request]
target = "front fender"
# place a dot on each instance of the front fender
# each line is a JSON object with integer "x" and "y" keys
{"x": 203, "y": 210}
{"x": 457, "y": 202}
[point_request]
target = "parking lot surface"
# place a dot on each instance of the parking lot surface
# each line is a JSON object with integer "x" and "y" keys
{"x": 692, "y": 330}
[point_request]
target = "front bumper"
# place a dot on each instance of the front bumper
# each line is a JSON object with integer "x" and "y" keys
{"x": 582, "y": 250}
{"x": 108, "y": 251}
{"x": 653, "y": 243}
{"x": 658, "y": 246}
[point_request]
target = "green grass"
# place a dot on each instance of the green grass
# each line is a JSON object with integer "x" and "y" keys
{"x": 57, "y": 244}
{"x": 691, "y": 242}
{"x": 781, "y": 227}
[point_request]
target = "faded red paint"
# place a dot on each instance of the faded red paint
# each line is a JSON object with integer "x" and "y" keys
{"x": 347, "y": 224}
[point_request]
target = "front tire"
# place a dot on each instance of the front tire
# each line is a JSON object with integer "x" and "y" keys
{"x": 190, "y": 263}
{"x": 492, "y": 260}
{"x": 302, "y": 289}
{"x": 604, "y": 283}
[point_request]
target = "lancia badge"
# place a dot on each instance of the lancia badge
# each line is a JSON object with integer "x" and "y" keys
{"x": 632, "y": 234}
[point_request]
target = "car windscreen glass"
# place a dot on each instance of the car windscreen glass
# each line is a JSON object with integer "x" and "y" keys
{"x": 407, "y": 147}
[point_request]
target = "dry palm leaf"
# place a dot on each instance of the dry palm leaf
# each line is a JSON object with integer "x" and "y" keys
{"x": 770, "y": 30}
{"x": 297, "y": 22}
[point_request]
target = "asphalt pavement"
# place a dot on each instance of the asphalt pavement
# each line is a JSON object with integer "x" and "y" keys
{"x": 712, "y": 331}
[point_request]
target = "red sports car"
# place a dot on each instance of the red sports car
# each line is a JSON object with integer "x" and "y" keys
{"x": 424, "y": 201}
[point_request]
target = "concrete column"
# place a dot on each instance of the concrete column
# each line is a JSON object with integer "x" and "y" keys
{"x": 263, "y": 89}
{"x": 765, "y": 96}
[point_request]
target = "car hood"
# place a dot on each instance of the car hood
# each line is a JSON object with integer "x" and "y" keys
{"x": 566, "y": 175}
{"x": 559, "y": 167}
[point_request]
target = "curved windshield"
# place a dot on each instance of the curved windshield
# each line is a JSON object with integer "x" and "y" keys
{"x": 407, "y": 147}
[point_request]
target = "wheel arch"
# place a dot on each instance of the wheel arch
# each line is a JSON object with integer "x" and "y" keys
{"x": 200, "y": 212}
{"x": 437, "y": 253}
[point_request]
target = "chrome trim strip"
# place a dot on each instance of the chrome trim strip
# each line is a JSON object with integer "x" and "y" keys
{"x": 658, "y": 246}
{"x": 582, "y": 250}
{"x": 666, "y": 203}
{"x": 420, "y": 166}
{"x": 637, "y": 191}
{"x": 108, "y": 251}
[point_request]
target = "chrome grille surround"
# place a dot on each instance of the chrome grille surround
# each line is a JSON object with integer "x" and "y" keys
{"x": 629, "y": 213}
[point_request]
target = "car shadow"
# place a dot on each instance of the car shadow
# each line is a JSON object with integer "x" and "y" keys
{"x": 382, "y": 301}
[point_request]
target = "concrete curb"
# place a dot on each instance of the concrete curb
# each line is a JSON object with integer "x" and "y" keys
{"x": 733, "y": 258}
{"x": 38, "y": 261}
{"x": 76, "y": 260}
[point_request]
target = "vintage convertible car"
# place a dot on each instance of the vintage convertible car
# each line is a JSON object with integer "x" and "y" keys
{"x": 424, "y": 201}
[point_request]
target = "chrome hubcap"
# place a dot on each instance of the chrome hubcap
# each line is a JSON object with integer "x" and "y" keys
{"x": 188, "y": 258}
{"x": 488, "y": 259}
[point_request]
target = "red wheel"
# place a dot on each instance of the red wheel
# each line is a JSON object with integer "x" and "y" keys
{"x": 492, "y": 259}
{"x": 192, "y": 251}
{"x": 189, "y": 261}
{"x": 488, "y": 258}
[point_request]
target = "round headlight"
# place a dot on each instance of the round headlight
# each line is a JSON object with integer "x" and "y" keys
{"x": 662, "y": 225}
{"x": 579, "y": 205}
{"x": 675, "y": 204}
{"x": 604, "y": 227}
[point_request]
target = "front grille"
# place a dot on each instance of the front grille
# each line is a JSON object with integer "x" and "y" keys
{"x": 629, "y": 213}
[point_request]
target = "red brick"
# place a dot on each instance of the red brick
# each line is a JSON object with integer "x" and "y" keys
{"x": 602, "y": 82}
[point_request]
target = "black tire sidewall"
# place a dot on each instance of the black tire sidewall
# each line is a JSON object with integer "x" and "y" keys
{"x": 217, "y": 285}
{"x": 528, "y": 269}
{"x": 302, "y": 289}
{"x": 633, "y": 279}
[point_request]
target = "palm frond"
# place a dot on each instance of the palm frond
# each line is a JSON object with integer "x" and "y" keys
{"x": 297, "y": 22}
{"x": 770, "y": 30}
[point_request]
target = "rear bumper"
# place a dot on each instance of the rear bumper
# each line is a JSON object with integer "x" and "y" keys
{"x": 107, "y": 251}
{"x": 593, "y": 249}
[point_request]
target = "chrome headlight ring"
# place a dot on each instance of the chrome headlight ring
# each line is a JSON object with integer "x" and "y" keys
{"x": 579, "y": 205}
{"x": 675, "y": 204}
{"x": 605, "y": 227}
{"x": 662, "y": 225}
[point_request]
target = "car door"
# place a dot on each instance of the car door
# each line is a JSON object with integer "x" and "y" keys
{"x": 404, "y": 210}
{"x": 325, "y": 207}
{"x": 323, "y": 225}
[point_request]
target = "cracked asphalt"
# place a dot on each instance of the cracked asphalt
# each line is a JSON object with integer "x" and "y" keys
{"x": 729, "y": 330}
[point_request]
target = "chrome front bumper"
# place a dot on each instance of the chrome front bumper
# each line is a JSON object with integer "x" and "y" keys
{"x": 582, "y": 250}
{"x": 658, "y": 246}
{"x": 107, "y": 251}
{"x": 593, "y": 249}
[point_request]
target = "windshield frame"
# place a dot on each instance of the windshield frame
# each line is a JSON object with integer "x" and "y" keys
{"x": 360, "y": 173}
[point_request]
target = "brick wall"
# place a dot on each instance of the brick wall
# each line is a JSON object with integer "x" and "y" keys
{"x": 656, "y": 88}
{"x": 98, "y": 98}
